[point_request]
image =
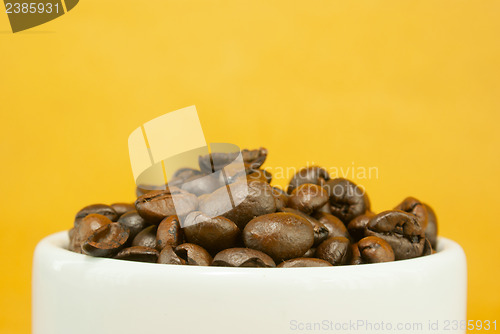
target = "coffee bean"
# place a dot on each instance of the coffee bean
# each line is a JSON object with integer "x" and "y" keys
{"x": 193, "y": 254}
{"x": 201, "y": 184}
{"x": 168, "y": 256}
{"x": 144, "y": 189}
{"x": 357, "y": 226}
{"x": 428, "y": 250}
{"x": 255, "y": 198}
{"x": 122, "y": 208}
{"x": 347, "y": 200}
{"x": 254, "y": 158}
{"x": 414, "y": 206}
{"x": 139, "y": 254}
{"x": 106, "y": 241}
{"x": 282, "y": 236}
{"x": 312, "y": 174}
{"x": 304, "y": 262}
{"x": 334, "y": 225}
{"x": 336, "y": 250}
{"x": 431, "y": 230}
{"x": 320, "y": 231}
{"x": 146, "y": 238}
{"x": 311, "y": 252}
{"x": 243, "y": 257}
{"x": 101, "y": 209}
{"x": 281, "y": 198}
{"x": 401, "y": 230}
{"x": 356, "y": 255}
{"x": 213, "y": 234}
{"x": 88, "y": 225}
{"x": 134, "y": 222}
{"x": 308, "y": 198}
{"x": 169, "y": 233}
{"x": 375, "y": 250}
{"x": 159, "y": 204}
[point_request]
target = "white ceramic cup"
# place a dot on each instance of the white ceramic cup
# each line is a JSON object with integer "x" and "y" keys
{"x": 79, "y": 294}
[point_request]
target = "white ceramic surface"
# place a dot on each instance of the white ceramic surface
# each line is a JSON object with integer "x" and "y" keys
{"x": 79, "y": 294}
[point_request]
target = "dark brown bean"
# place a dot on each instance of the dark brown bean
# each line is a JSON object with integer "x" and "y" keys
{"x": 138, "y": 254}
{"x": 193, "y": 254}
{"x": 213, "y": 234}
{"x": 122, "y": 208}
{"x": 201, "y": 184}
{"x": 334, "y": 225}
{"x": 101, "y": 209}
{"x": 311, "y": 252}
{"x": 254, "y": 158}
{"x": 169, "y": 256}
{"x": 134, "y": 222}
{"x": 428, "y": 250}
{"x": 243, "y": 257}
{"x": 312, "y": 174}
{"x": 88, "y": 225}
{"x": 282, "y": 236}
{"x": 159, "y": 204}
{"x": 431, "y": 231}
{"x": 375, "y": 250}
{"x": 308, "y": 198}
{"x": 146, "y": 238}
{"x": 356, "y": 255}
{"x": 357, "y": 226}
{"x": 401, "y": 230}
{"x": 106, "y": 241}
{"x": 281, "y": 198}
{"x": 320, "y": 230}
{"x": 336, "y": 250}
{"x": 414, "y": 206}
{"x": 169, "y": 233}
{"x": 304, "y": 262}
{"x": 347, "y": 200}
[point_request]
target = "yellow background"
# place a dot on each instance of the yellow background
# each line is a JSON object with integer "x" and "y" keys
{"x": 411, "y": 87}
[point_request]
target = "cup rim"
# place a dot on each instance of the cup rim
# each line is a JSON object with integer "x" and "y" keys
{"x": 56, "y": 244}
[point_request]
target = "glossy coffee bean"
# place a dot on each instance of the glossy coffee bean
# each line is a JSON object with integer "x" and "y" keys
{"x": 138, "y": 254}
{"x": 308, "y": 198}
{"x": 216, "y": 161}
{"x": 193, "y": 254}
{"x": 431, "y": 231}
{"x": 334, "y": 225}
{"x": 213, "y": 234}
{"x": 311, "y": 252}
{"x": 169, "y": 256}
{"x": 375, "y": 250}
{"x": 401, "y": 230}
{"x": 414, "y": 206}
{"x": 282, "y": 236}
{"x": 159, "y": 204}
{"x": 255, "y": 198}
{"x": 356, "y": 255}
{"x": 281, "y": 198}
{"x": 101, "y": 209}
{"x": 335, "y": 250}
{"x": 347, "y": 200}
{"x": 106, "y": 241}
{"x": 304, "y": 262}
{"x": 312, "y": 174}
{"x": 134, "y": 222}
{"x": 428, "y": 250}
{"x": 146, "y": 238}
{"x": 243, "y": 257}
{"x": 122, "y": 208}
{"x": 320, "y": 231}
{"x": 88, "y": 225}
{"x": 254, "y": 158}
{"x": 357, "y": 226}
{"x": 169, "y": 233}
{"x": 144, "y": 189}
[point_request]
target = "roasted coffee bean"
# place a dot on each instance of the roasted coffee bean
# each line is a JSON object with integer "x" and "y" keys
{"x": 431, "y": 230}
{"x": 258, "y": 201}
{"x": 357, "y": 226}
{"x": 414, "y": 206}
{"x": 106, "y": 241}
{"x": 213, "y": 234}
{"x": 139, "y": 254}
{"x": 88, "y": 225}
{"x": 144, "y": 189}
{"x": 320, "y": 230}
{"x": 216, "y": 161}
{"x": 183, "y": 174}
{"x": 281, "y": 198}
{"x": 134, "y": 222}
{"x": 193, "y": 254}
{"x": 101, "y": 209}
{"x": 122, "y": 208}
{"x": 334, "y": 225}
{"x": 312, "y": 174}
{"x": 428, "y": 250}
{"x": 374, "y": 250}
{"x": 169, "y": 233}
{"x": 146, "y": 238}
{"x": 282, "y": 236}
{"x": 168, "y": 256}
{"x": 311, "y": 252}
{"x": 308, "y": 198}
{"x": 159, "y": 204}
{"x": 401, "y": 230}
{"x": 356, "y": 255}
{"x": 347, "y": 200}
{"x": 243, "y": 257}
{"x": 254, "y": 158}
{"x": 325, "y": 208}
{"x": 304, "y": 262}
{"x": 201, "y": 184}
{"x": 336, "y": 250}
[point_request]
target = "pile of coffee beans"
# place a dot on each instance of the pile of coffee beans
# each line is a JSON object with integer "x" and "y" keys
{"x": 317, "y": 222}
